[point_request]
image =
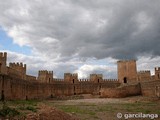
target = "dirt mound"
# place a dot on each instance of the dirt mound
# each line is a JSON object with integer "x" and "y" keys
{"x": 50, "y": 113}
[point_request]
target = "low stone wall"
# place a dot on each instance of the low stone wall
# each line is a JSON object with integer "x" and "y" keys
{"x": 150, "y": 88}
{"x": 122, "y": 91}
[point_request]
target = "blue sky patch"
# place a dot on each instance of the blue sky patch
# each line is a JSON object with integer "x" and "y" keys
{"x": 6, "y": 43}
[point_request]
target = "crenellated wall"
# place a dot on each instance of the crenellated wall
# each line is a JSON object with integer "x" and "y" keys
{"x": 17, "y": 70}
{"x": 17, "y": 85}
{"x": 144, "y": 75}
{"x": 96, "y": 78}
{"x": 150, "y": 88}
{"x": 157, "y": 73}
{"x": 45, "y": 76}
{"x": 72, "y": 78}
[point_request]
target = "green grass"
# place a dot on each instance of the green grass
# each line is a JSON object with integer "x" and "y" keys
{"x": 8, "y": 112}
{"x": 17, "y": 108}
{"x": 83, "y": 110}
{"x": 107, "y": 108}
{"x": 30, "y": 108}
{"x": 24, "y": 102}
{"x": 75, "y": 109}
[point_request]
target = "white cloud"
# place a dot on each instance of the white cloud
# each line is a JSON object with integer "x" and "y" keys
{"x": 85, "y": 70}
{"x": 148, "y": 63}
{"x": 64, "y": 35}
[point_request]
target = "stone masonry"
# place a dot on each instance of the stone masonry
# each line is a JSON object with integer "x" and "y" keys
{"x": 16, "y": 84}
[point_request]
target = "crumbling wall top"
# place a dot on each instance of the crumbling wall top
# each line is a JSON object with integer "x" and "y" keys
{"x": 132, "y": 60}
{"x": 143, "y": 71}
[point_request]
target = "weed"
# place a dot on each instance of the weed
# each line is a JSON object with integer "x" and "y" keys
{"x": 8, "y": 112}
{"x": 31, "y": 108}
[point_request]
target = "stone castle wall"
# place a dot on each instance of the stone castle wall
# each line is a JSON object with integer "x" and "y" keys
{"x": 144, "y": 75}
{"x": 122, "y": 91}
{"x": 15, "y": 88}
{"x": 16, "y": 84}
{"x": 157, "y": 73}
{"x": 3, "y": 62}
{"x": 150, "y": 88}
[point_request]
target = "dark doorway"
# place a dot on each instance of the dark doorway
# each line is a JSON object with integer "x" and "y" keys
{"x": 73, "y": 80}
{"x": 74, "y": 90}
{"x": 98, "y": 80}
{"x": 125, "y": 80}
{"x": 0, "y": 67}
{"x": 2, "y": 96}
{"x": 26, "y": 97}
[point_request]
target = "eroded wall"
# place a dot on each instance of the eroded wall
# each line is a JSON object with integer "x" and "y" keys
{"x": 15, "y": 88}
{"x": 150, "y": 88}
{"x": 122, "y": 91}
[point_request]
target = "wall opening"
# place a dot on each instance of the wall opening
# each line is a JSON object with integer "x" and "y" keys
{"x": 26, "y": 97}
{"x": 157, "y": 91}
{"x": 98, "y": 80}
{"x": 74, "y": 90}
{"x": 0, "y": 67}
{"x": 125, "y": 80}
{"x": 2, "y": 95}
{"x": 73, "y": 80}
{"x": 49, "y": 80}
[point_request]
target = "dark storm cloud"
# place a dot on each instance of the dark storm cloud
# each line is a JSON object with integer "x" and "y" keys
{"x": 122, "y": 29}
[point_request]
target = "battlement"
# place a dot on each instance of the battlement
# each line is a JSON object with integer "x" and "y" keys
{"x": 120, "y": 61}
{"x": 74, "y": 74}
{"x": 3, "y": 62}
{"x": 110, "y": 80}
{"x": 17, "y": 70}
{"x": 69, "y": 74}
{"x": 20, "y": 65}
{"x": 45, "y": 76}
{"x": 96, "y": 75}
{"x": 45, "y": 72}
{"x": 58, "y": 79}
{"x": 157, "y": 68}
{"x": 84, "y": 80}
{"x": 3, "y": 55}
{"x": 143, "y": 71}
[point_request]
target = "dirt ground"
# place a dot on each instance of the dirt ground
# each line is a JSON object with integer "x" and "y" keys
{"x": 49, "y": 113}
{"x": 108, "y": 108}
{"x": 88, "y": 108}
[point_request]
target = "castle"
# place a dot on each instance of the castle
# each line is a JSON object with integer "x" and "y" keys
{"x": 16, "y": 84}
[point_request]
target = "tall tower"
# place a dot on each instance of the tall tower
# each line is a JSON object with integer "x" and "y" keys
{"x": 157, "y": 73}
{"x": 3, "y": 62}
{"x": 96, "y": 78}
{"x": 72, "y": 78}
{"x": 45, "y": 76}
{"x": 17, "y": 70}
{"x": 127, "y": 71}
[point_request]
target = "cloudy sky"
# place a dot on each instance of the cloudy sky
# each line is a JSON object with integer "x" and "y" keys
{"x": 80, "y": 36}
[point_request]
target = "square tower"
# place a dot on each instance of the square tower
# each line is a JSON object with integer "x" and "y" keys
{"x": 3, "y": 63}
{"x": 157, "y": 73}
{"x": 45, "y": 76}
{"x": 127, "y": 71}
{"x": 72, "y": 78}
{"x": 96, "y": 78}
